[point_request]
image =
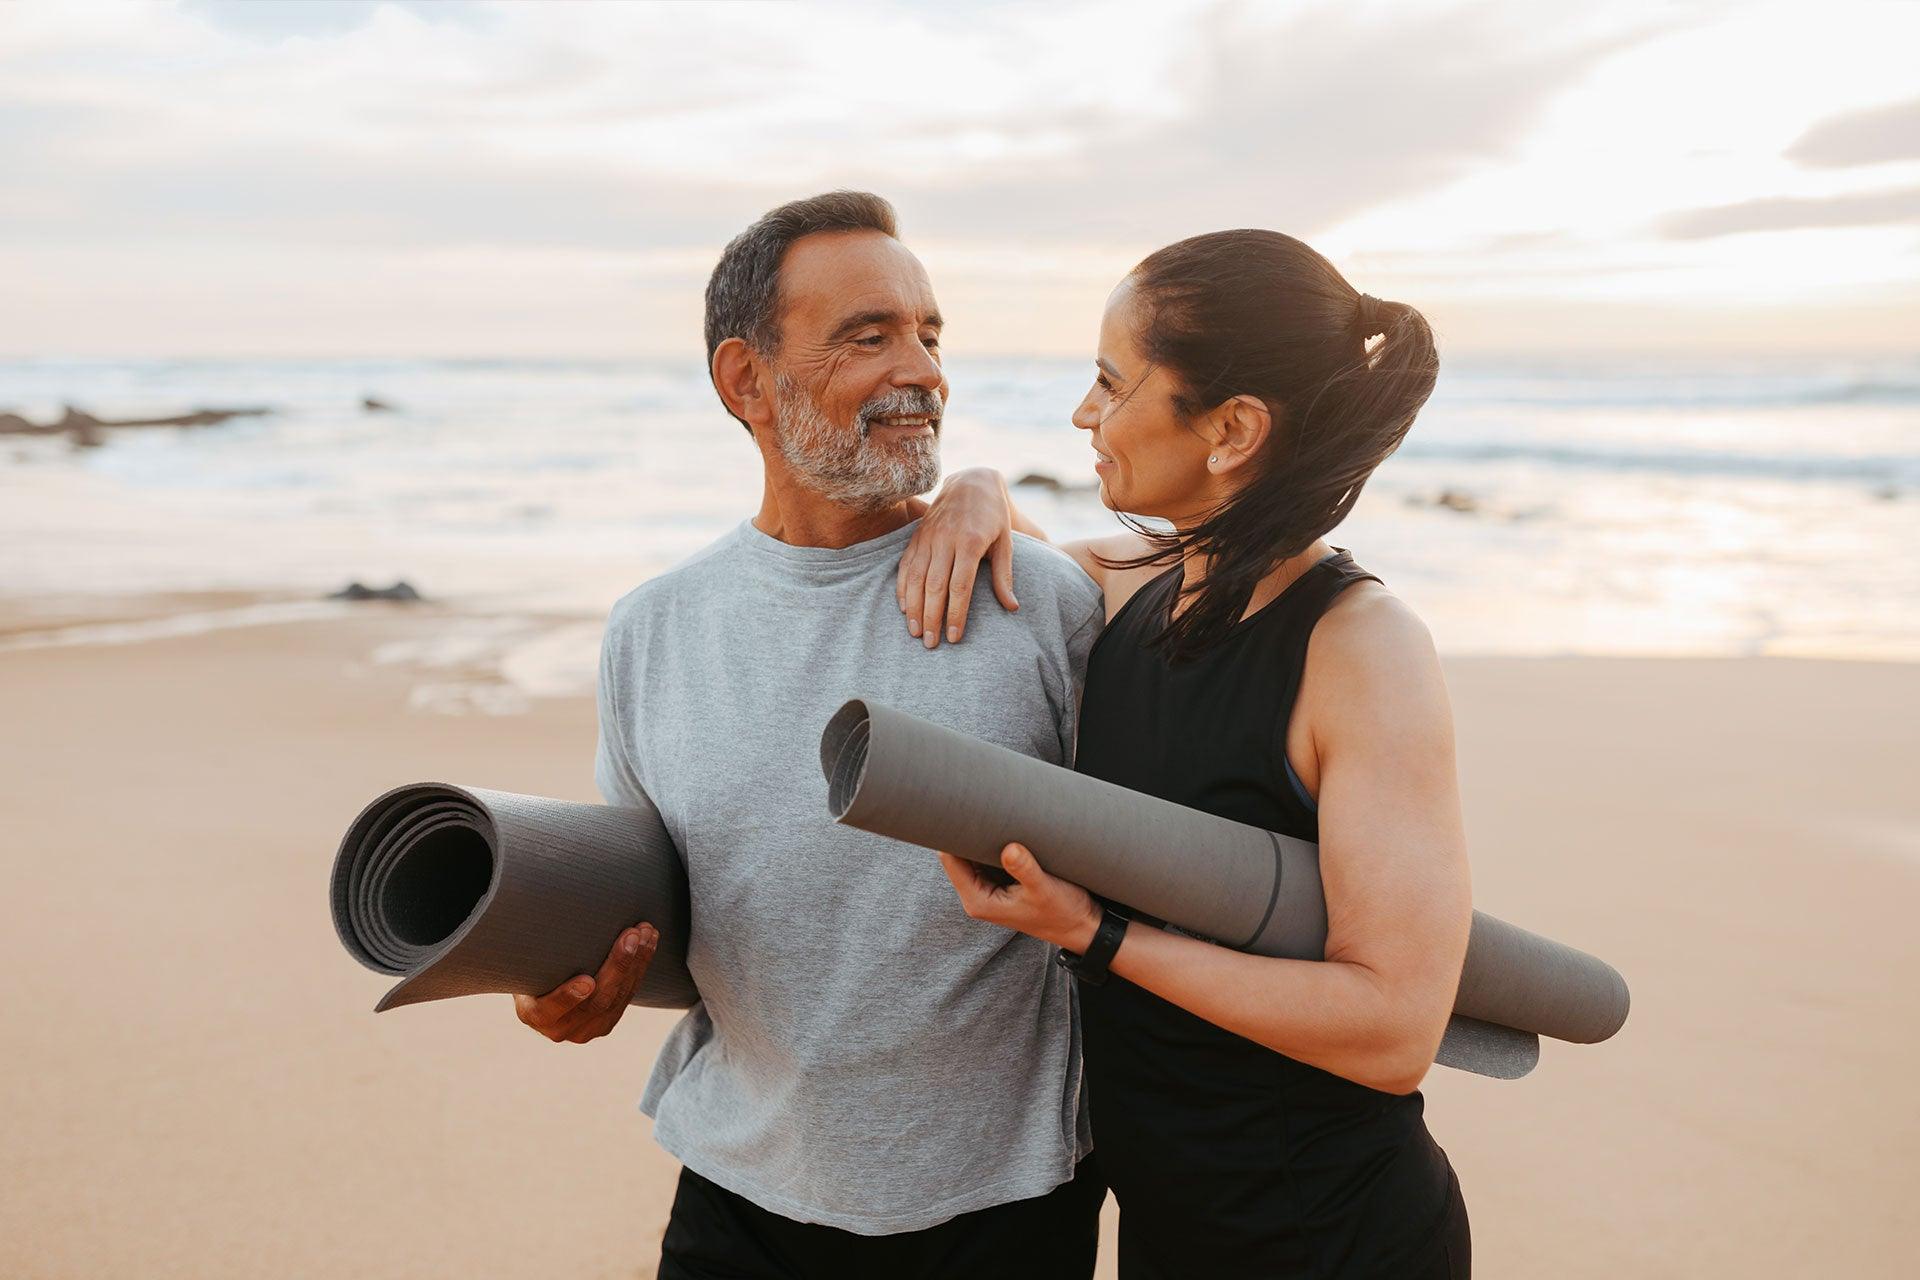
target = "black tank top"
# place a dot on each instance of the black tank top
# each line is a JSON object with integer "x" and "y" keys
{"x": 1229, "y": 1159}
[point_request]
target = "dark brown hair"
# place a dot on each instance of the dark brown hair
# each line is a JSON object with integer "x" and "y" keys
{"x": 743, "y": 293}
{"x": 1257, "y": 313}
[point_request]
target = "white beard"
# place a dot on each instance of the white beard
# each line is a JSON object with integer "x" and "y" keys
{"x": 844, "y": 464}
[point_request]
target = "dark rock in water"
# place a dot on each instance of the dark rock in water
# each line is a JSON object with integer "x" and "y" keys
{"x": 198, "y": 418}
{"x": 86, "y": 429}
{"x": 1888, "y": 493}
{"x": 1039, "y": 480}
{"x": 1448, "y": 499}
{"x": 1042, "y": 481}
{"x": 372, "y": 405}
{"x": 82, "y": 426}
{"x": 401, "y": 591}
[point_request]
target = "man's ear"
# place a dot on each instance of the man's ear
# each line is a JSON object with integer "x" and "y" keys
{"x": 744, "y": 382}
{"x": 1237, "y": 431}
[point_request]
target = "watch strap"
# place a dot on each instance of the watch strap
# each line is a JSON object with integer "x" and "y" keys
{"x": 1091, "y": 966}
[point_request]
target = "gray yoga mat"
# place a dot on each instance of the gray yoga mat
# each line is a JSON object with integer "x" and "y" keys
{"x": 896, "y": 775}
{"x": 463, "y": 891}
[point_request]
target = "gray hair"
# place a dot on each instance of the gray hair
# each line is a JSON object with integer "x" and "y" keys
{"x": 743, "y": 293}
{"x": 848, "y": 466}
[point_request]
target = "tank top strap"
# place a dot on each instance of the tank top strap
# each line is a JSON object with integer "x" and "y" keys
{"x": 1312, "y": 594}
{"x": 1305, "y": 603}
{"x": 1141, "y": 615}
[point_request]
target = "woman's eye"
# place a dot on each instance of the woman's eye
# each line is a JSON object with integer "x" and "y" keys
{"x": 1103, "y": 384}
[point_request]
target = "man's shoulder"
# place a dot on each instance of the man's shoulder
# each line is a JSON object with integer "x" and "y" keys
{"x": 1045, "y": 574}
{"x": 661, "y": 594}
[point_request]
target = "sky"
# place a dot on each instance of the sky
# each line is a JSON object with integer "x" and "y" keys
{"x": 465, "y": 178}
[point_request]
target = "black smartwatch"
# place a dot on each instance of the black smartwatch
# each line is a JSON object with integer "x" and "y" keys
{"x": 1091, "y": 967}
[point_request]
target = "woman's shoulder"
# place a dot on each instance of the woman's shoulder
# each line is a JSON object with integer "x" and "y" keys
{"x": 1371, "y": 650}
{"x": 1368, "y": 615}
{"x": 1117, "y": 583}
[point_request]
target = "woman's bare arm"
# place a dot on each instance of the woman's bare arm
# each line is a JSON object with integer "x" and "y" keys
{"x": 1392, "y": 862}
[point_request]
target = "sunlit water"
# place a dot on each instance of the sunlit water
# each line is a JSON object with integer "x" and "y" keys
{"x": 1765, "y": 507}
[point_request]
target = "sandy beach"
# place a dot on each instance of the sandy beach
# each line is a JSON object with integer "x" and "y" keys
{"x": 198, "y": 1086}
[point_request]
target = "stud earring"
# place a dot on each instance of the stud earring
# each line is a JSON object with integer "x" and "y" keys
{"x": 1213, "y": 457}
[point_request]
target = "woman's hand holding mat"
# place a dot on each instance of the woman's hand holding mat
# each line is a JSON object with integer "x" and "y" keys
{"x": 1044, "y": 906}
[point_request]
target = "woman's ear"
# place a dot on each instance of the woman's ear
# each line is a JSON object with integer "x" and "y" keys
{"x": 1239, "y": 430}
{"x": 744, "y": 382}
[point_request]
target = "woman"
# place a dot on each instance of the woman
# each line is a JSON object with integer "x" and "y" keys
{"x": 1254, "y": 1116}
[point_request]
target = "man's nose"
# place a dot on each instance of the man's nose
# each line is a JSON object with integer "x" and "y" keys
{"x": 918, "y": 368}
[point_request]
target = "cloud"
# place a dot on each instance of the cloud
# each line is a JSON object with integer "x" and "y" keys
{"x": 1876, "y": 136}
{"x": 215, "y": 174}
{"x": 1296, "y": 123}
{"x": 280, "y": 19}
{"x": 607, "y": 126}
{"x": 1786, "y": 213}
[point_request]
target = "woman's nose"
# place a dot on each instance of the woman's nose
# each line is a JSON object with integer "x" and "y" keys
{"x": 1085, "y": 417}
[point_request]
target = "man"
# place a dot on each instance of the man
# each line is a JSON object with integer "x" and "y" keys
{"x": 872, "y": 1084}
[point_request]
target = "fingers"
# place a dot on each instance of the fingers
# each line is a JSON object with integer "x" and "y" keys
{"x": 913, "y": 588}
{"x": 933, "y": 608}
{"x": 547, "y": 1013}
{"x": 1003, "y": 571}
{"x": 584, "y": 1008}
{"x": 619, "y": 973}
{"x": 966, "y": 875}
{"x": 958, "y": 870}
{"x": 959, "y": 596}
{"x": 976, "y": 894}
{"x": 912, "y": 570}
{"x": 1019, "y": 862}
{"x": 1032, "y": 901}
{"x": 633, "y": 953}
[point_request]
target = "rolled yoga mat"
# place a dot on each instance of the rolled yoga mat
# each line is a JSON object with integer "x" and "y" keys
{"x": 896, "y": 775}
{"x": 463, "y": 891}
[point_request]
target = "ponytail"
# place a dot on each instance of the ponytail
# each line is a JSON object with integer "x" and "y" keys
{"x": 1259, "y": 313}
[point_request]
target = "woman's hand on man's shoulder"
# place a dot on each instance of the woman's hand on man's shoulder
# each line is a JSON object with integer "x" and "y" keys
{"x": 970, "y": 520}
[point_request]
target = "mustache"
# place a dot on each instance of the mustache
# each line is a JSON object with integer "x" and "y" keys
{"x": 901, "y": 402}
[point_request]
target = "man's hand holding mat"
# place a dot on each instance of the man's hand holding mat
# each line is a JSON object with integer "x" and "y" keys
{"x": 587, "y": 1007}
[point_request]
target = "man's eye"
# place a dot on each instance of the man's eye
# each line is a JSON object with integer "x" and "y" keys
{"x": 872, "y": 340}
{"x": 930, "y": 341}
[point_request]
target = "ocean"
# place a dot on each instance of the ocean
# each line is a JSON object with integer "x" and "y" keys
{"x": 1733, "y": 507}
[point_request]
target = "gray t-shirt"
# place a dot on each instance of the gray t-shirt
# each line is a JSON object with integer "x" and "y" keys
{"x": 864, "y": 1054}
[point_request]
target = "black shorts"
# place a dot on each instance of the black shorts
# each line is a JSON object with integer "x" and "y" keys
{"x": 714, "y": 1234}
